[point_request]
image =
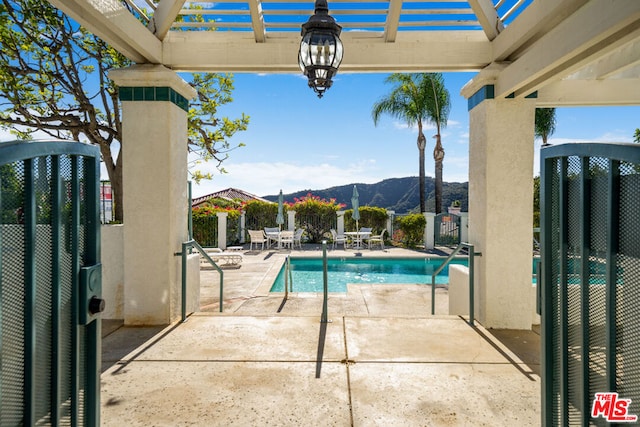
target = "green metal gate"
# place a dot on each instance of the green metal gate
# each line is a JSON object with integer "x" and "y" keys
{"x": 50, "y": 284}
{"x": 447, "y": 230}
{"x": 590, "y": 298}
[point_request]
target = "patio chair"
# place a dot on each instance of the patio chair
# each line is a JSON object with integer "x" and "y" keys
{"x": 377, "y": 239}
{"x": 272, "y": 234}
{"x": 364, "y": 239}
{"x": 297, "y": 237}
{"x": 286, "y": 239}
{"x": 257, "y": 236}
{"x": 338, "y": 239}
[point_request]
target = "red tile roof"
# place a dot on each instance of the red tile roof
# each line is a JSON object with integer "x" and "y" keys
{"x": 229, "y": 194}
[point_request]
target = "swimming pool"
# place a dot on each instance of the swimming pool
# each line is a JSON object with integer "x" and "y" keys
{"x": 307, "y": 272}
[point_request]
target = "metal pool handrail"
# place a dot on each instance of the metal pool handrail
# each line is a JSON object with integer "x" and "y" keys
{"x": 446, "y": 262}
{"x": 186, "y": 246}
{"x": 325, "y": 298}
{"x": 288, "y": 277}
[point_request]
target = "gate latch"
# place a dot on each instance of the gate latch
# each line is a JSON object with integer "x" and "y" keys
{"x": 91, "y": 302}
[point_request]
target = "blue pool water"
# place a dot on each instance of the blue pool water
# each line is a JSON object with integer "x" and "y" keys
{"x": 307, "y": 272}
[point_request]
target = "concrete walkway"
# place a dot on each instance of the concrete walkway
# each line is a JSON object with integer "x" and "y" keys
{"x": 382, "y": 360}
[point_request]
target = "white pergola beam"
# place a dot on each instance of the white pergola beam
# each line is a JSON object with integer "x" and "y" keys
{"x": 566, "y": 93}
{"x": 257, "y": 20}
{"x": 113, "y": 23}
{"x": 164, "y": 15}
{"x": 393, "y": 20}
{"x": 364, "y": 52}
{"x": 599, "y": 27}
{"x": 488, "y": 17}
{"x": 537, "y": 19}
{"x": 615, "y": 63}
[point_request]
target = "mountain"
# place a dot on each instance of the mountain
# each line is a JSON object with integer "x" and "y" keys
{"x": 397, "y": 194}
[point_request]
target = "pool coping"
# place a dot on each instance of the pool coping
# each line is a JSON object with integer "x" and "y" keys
{"x": 267, "y": 281}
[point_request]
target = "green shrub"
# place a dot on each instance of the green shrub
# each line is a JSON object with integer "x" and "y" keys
{"x": 412, "y": 227}
{"x": 370, "y": 216}
{"x": 205, "y": 225}
{"x": 317, "y": 216}
{"x": 259, "y": 215}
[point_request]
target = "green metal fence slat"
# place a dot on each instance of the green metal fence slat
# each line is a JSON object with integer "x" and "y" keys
{"x": 56, "y": 303}
{"x": 93, "y": 353}
{"x": 30, "y": 293}
{"x": 547, "y": 171}
{"x": 1, "y": 282}
{"x": 612, "y": 250}
{"x": 75, "y": 300}
{"x": 564, "y": 316}
{"x": 585, "y": 215}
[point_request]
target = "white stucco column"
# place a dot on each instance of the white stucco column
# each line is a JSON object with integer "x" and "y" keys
{"x": 429, "y": 230}
{"x": 340, "y": 224}
{"x": 222, "y": 229}
{"x": 390, "y": 215}
{"x": 501, "y": 206}
{"x": 464, "y": 227}
{"x": 291, "y": 220}
{"x": 154, "y": 132}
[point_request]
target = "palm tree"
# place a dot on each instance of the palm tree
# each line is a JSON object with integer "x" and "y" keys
{"x": 418, "y": 98}
{"x": 545, "y": 123}
{"x": 636, "y": 136}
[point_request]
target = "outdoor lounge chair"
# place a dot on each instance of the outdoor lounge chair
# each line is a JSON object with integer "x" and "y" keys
{"x": 257, "y": 236}
{"x": 221, "y": 257}
{"x": 377, "y": 239}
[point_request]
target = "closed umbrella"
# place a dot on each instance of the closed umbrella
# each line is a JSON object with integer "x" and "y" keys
{"x": 280, "y": 216}
{"x": 355, "y": 204}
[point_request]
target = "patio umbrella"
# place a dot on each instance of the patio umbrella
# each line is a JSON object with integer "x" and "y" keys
{"x": 355, "y": 204}
{"x": 280, "y": 216}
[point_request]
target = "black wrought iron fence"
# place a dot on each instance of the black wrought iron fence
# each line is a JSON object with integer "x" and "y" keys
{"x": 447, "y": 229}
{"x": 205, "y": 231}
{"x": 316, "y": 226}
{"x": 233, "y": 230}
{"x": 397, "y": 235}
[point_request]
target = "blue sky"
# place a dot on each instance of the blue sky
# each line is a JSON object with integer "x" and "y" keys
{"x": 296, "y": 141}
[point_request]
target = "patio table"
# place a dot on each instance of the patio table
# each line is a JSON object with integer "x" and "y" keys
{"x": 276, "y": 236}
{"x": 357, "y": 237}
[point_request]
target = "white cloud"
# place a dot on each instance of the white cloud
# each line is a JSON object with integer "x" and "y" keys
{"x": 264, "y": 178}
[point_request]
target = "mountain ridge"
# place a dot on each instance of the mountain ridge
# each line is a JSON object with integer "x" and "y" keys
{"x": 397, "y": 194}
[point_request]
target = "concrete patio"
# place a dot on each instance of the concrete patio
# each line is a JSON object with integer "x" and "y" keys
{"x": 382, "y": 360}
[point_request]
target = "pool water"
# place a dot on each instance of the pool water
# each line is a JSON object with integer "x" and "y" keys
{"x": 307, "y": 272}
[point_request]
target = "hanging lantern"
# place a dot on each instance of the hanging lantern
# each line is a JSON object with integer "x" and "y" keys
{"x": 321, "y": 50}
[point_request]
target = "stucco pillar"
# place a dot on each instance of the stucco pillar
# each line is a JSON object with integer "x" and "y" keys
{"x": 340, "y": 223}
{"x": 464, "y": 227}
{"x": 222, "y": 229}
{"x": 390, "y": 215}
{"x": 154, "y": 133}
{"x": 291, "y": 220}
{"x": 429, "y": 230}
{"x": 501, "y": 207}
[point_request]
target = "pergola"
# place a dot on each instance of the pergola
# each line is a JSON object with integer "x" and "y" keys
{"x": 528, "y": 54}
